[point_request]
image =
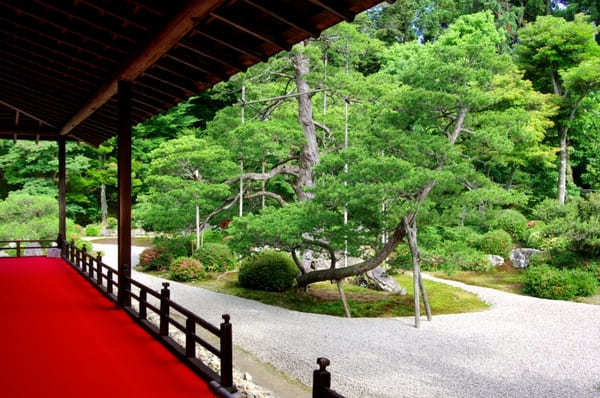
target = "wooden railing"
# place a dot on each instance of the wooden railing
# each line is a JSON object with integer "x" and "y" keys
{"x": 322, "y": 381}
{"x": 169, "y": 313}
{"x": 105, "y": 279}
{"x": 19, "y": 246}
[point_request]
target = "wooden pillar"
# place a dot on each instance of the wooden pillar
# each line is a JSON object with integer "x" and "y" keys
{"x": 124, "y": 169}
{"x": 62, "y": 189}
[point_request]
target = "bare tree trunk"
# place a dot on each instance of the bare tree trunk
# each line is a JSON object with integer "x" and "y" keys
{"x": 425, "y": 297}
{"x": 343, "y": 297}
{"x": 562, "y": 169}
{"x": 310, "y": 152}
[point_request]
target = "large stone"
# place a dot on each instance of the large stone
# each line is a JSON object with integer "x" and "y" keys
{"x": 495, "y": 260}
{"x": 378, "y": 279}
{"x": 520, "y": 257}
{"x": 32, "y": 250}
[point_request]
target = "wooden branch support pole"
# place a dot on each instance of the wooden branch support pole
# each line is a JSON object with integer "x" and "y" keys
{"x": 226, "y": 353}
{"x": 124, "y": 168}
{"x": 165, "y": 296}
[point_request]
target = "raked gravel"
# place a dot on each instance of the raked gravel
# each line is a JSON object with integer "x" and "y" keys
{"x": 521, "y": 347}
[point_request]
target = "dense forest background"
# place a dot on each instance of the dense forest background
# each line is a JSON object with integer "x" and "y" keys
{"x": 438, "y": 131}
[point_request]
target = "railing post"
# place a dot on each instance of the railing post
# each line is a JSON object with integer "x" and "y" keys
{"x": 84, "y": 262}
{"x": 73, "y": 251}
{"x": 226, "y": 353}
{"x": 99, "y": 269}
{"x": 190, "y": 338}
{"x": 143, "y": 300}
{"x": 18, "y": 248}
{"x": 321, "y": 378}
{"x": 109, "y": 282}
{"x": 165, "y": 296}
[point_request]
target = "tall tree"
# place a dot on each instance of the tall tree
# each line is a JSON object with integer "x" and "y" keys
{"x": 561, "y": 58}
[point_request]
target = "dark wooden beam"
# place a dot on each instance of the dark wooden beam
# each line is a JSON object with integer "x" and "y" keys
{"x": 224, "y": 42}
{"x": 231, "y": 64}
{"x": 62, "y": 189}
{"x": 124, "y": 171}
{"x": 180, "y": 25}
{"x": 282, "y": 15}
{"x": 343, "y": 14}
{"x": 29, "y": 115}
{"x": 252, "y": 31}
{"x": 45, "y": 134}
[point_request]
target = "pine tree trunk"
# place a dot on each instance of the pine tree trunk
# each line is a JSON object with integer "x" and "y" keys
{"x": 562, "y": 169}
{"x": 310, "y": 156}
{"x": 103, "y": 205}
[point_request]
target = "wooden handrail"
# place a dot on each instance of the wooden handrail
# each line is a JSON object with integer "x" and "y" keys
{"x": 84, "y": 263}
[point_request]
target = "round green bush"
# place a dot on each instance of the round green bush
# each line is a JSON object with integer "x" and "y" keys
{"x": 92, "y": 230}
{"x": 186, "y": 269}
{"x": 497, "y": 242}
{"x": 511, "y": 221}
{"x": 112, "y": 222}
{"x": 154, "y": 259}
{"x": 559, "y": 284}
{"x": 216, "y": 257}
{"x": 180, "y": 246}
{"x": 269, "y": 270}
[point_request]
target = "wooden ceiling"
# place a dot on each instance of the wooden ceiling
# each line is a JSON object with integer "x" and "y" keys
{"x": 61, "y": 60}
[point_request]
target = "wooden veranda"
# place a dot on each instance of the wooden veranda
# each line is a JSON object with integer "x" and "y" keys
{"x": 87, "y": 70}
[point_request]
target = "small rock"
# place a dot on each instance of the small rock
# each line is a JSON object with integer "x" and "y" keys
{"x": 247, "y": 376}
{"x": 53, "y": 252}
{"x": 520, "y": 257}
{"x": 378, "y": 279}
{"x": 35, "y": 252}
{"x": 495, "y": 260}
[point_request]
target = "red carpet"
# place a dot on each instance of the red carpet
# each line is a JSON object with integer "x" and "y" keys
{"x": 59, "y": 337}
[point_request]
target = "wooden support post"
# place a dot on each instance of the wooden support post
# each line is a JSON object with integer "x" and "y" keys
{"x": 321, "y": 378}
{"x": 62, "y": 189}
{"x": 165, "y": 296}
{"x": 190, "y": 338}
{"x": 124, "y": 168}
{"x": 99, "y": 270}
{"x": 226, "y": 353}
{"x": 18, "y": 248}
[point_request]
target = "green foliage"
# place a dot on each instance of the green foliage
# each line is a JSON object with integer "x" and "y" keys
{"x": 553, "y": 283}
{"x": 511, "y": 221}
{"x": 112, "y": 222}
{"x": 497, "y": 242}
{"x": 268, "y": 270}
{"x": 215, "y": 257}
{"x": 92, "y": 230}
{"x": 186, "y": 269}
{"x": 154, "y": 259}
{"x": 178, "y": 246}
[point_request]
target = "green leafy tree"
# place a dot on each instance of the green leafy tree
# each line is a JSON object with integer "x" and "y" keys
{"x": 561, "y": 58}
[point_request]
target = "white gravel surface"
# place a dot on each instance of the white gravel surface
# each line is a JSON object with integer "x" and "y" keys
{"x": 521, "y": 347}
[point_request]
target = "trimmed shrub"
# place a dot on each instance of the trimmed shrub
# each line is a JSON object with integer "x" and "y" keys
{"x": 268, "y": 270}
{"x": 154, "y": 259}
{"x": 92, "y": 230}
{"x": 216, "y": 257}
{"x": 177, "y": 247}
{"x": 553, "y": 283}
{"x": 496, "y": 242}
{"x": 511, "y": 221}
{"x": 186, "y": 269}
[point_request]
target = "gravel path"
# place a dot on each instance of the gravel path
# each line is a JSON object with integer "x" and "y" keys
{"x": 521, "y": 347}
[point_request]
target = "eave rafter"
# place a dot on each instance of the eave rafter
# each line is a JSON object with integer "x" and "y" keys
{"x": 179, "y": 26}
